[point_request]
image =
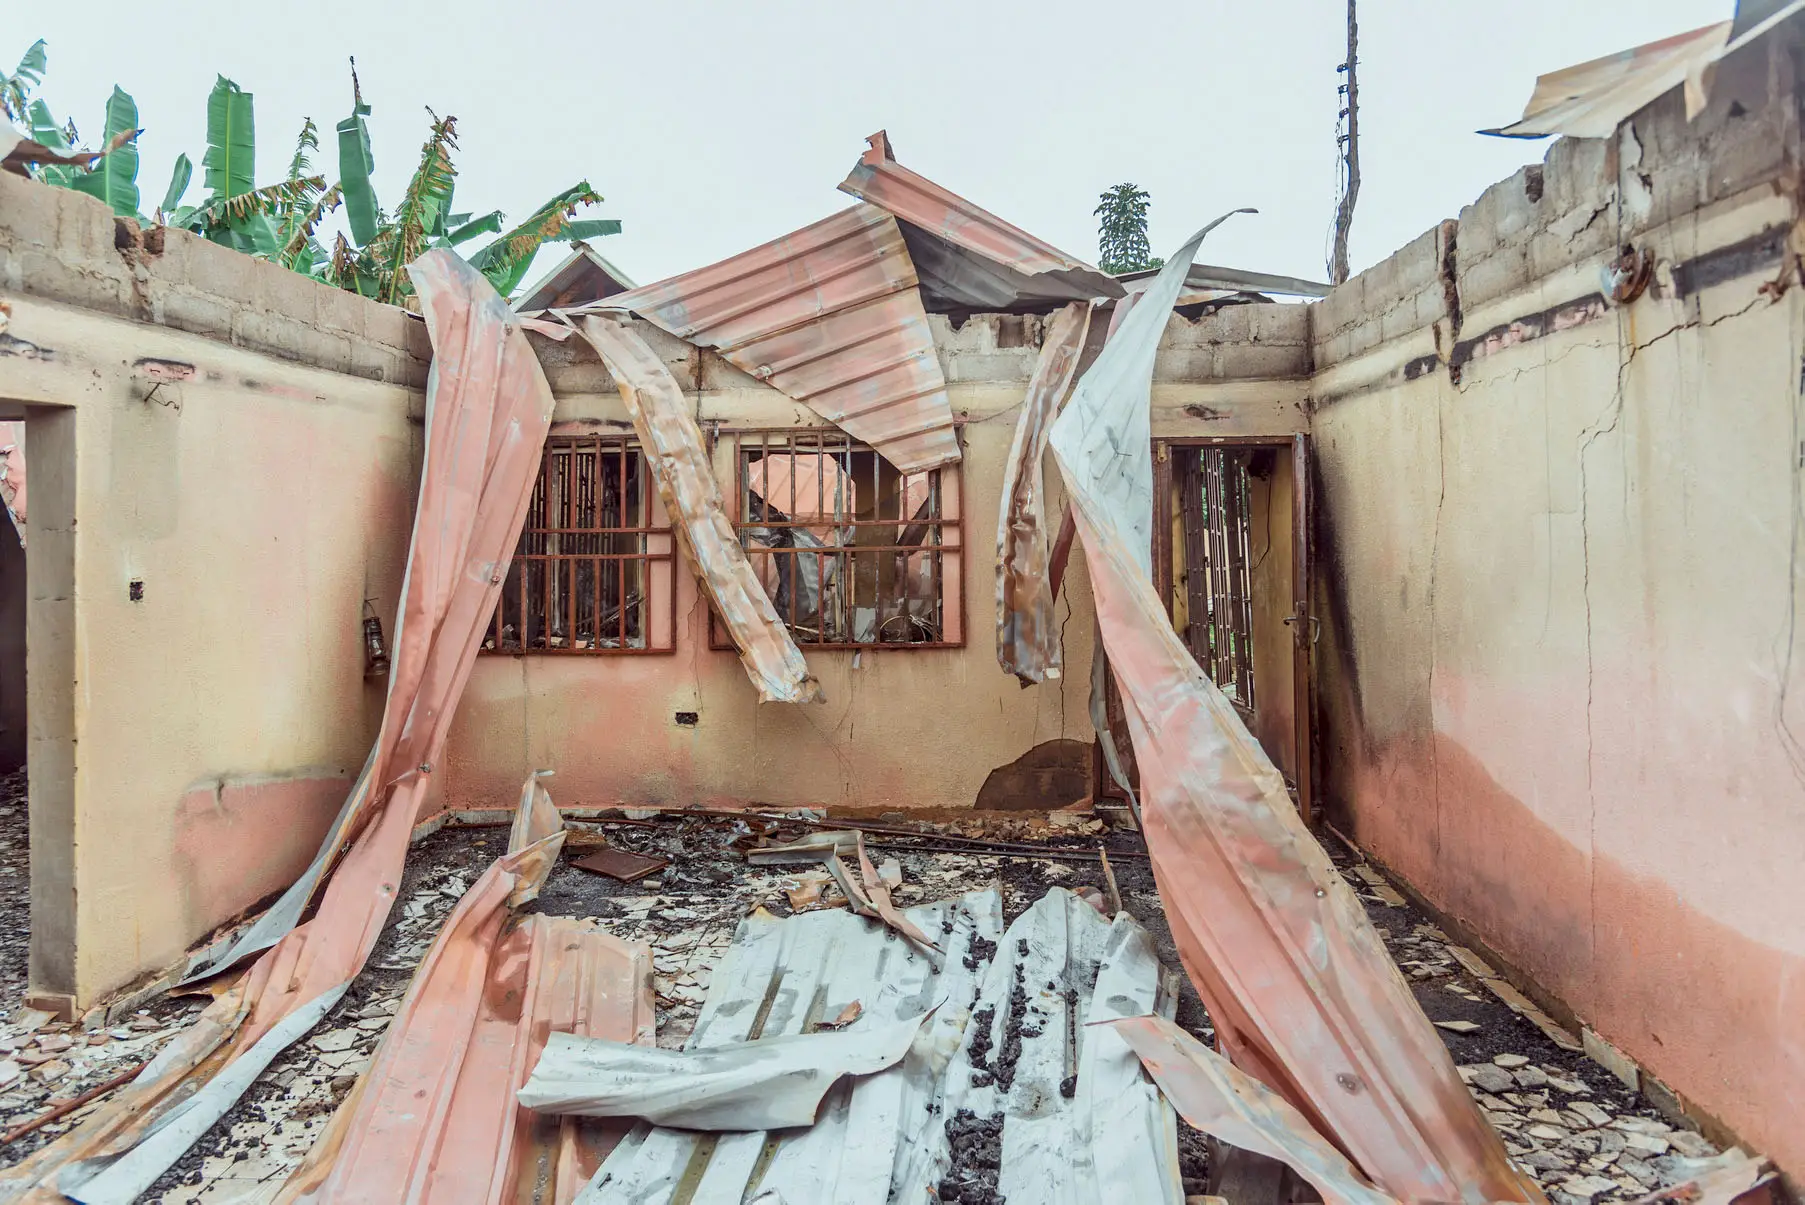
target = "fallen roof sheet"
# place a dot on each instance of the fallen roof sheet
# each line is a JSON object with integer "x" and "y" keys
{"x": 784, "y": 977}
{"x": 673, "y": 446}
{"x": 1027, "y": 638}
{"x": 1591, "y": 99}
{"x": 434, "y": 1117}
{"x": 487, "y": 411}
{"x": 1296, "y": 980}
{"x": 1007, "y": 1056}
{"x": 767, "y": 1084}
{"x": 830, "y": 315}
{"x": 1207, "y": 278}
{"x": 967, "y": 257}
{"x": 1214, "y": 1096}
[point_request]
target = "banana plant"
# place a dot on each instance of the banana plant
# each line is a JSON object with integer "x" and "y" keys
{"x": 371, "y": 261}
{"x": 306, "y": 206}
{"x": 16, "y": 89}
{"x": 114, "y": 179}
{"x": 505, "y": 261}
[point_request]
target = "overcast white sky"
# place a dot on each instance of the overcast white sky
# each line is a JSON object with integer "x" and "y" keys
{"x": 712, "y": 127}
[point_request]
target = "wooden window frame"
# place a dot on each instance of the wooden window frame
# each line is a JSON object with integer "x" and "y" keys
{"x": 946, "y": 485}
{"x": 654, "y": 552}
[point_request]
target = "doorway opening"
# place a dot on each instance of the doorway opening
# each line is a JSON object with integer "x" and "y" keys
{"x": 1231, "y": 522}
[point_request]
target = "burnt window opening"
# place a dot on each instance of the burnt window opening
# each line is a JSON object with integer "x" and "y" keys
{"x": 852, "y": 552}
{"x": 593, "y": 572}
{"x": 1214, "y": 569}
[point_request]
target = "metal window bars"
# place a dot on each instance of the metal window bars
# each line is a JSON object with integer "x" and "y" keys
{"x": 1215, "y": 510}
{"x": 594, "y": 570}
{"x": 853, "y": 552}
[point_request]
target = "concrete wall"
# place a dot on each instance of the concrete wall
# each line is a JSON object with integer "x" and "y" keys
{"x": 222, "y": 469}
{"x": 12, "y": 649}
{"x": 901, "y": 729}
{"x": 1561, "y": 542}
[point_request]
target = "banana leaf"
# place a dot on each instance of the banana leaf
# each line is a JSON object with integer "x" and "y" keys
{"x": 45, "y": 130}
{"x": 231, "y": 159}
{"x": 505, "y": 261}
{"x": 178, "y": 184}
{"x": 228, "y": 169}
{"x": 467, "y": 229}
{"x": 422, "y": 210}
{"x": 355, "y": 163}
{"x": 596, "y": 228}
{"x": 15, "y": 89}
{"x": 114, "y": 179}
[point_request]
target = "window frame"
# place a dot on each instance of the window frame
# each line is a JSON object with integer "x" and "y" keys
{"x": 825, "y": 440}
{"x": 648, "y": 531}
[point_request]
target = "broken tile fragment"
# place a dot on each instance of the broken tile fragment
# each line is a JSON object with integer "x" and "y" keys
{"x": 1509, "y": 1061}
{"x": 1591, "y": 1112}
{"x": 336, "y": 1040}
{"x": 1587, "y": 1187}
{"x": 1458, "y": 1026}
{"x": 1487, "y": 1077}
{"x": 1687, "y": 1143}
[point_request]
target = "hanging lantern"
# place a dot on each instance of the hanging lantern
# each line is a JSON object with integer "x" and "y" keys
{"x": 376, "y": 657}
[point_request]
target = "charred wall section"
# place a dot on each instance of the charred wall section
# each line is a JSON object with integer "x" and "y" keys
{"x": 1558, "y": 525}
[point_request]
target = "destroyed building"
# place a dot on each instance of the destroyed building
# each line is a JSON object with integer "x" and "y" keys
{"x": 1482, "y": 567}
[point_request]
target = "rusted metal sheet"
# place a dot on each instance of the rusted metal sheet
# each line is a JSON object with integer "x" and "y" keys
{"x": 621, "y": 865}
{"x": 673, "y": 446}
{"x": 487, "y": 411}
{"x": 1012, "y": 266}
{"x": 1590, "y": 100}
{"x": 1204, "y": 282}
{"x": 434, "y": 1118}
{"x": 1297, "y": 981}
{"x": 1027, "y": 638}
{"x": 831, "y": 316}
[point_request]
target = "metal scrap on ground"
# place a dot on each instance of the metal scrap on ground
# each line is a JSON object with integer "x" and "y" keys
{"x": 619, "y": 864}
{"x": 432, "y": 1118}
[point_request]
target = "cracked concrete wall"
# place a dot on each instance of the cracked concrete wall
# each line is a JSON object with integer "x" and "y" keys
{"x": 1560, "y": 539}
{"x": 901, "y": 729}
{"x": 223, "y": 467}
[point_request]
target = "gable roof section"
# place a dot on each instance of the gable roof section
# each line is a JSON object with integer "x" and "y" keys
{"x": 583, "y": 277}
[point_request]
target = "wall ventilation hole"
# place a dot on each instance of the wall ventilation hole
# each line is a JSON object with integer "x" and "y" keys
{"x": 135, "y": 590}
{"x": 688, "y": 719}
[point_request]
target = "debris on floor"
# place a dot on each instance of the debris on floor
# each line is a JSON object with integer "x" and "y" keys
{"x": 1580, "y": 1133}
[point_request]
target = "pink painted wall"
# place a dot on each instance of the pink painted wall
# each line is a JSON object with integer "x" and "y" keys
{"x": 1559, "y": 676}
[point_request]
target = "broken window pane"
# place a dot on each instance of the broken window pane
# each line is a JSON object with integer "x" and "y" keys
{"x": 593, "y": 572}
{"x": 851, "y": 551}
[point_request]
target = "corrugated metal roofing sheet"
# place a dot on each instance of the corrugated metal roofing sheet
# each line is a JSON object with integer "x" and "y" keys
{"x": 1591, "y": 99}
{"x": 879, "y": 179}
{"x": 831, "y": 316}
{"x": 1035, "y": 271}
{"x": 1009, "y": 1040}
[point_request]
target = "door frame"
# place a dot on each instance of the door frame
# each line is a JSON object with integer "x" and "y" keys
{"x": 1303, "y": 625}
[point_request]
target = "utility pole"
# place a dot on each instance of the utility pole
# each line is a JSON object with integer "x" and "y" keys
{"x": 1349, "y": 146}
